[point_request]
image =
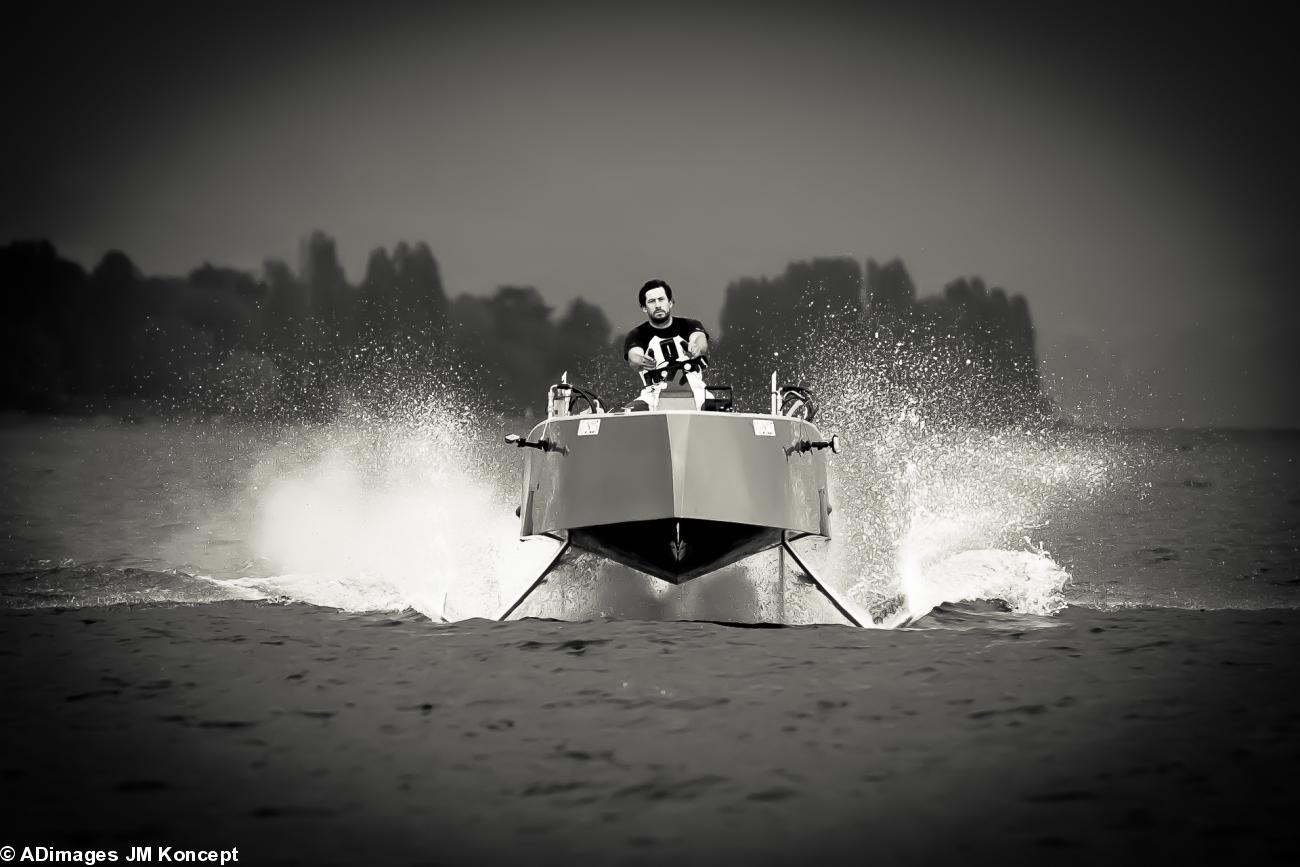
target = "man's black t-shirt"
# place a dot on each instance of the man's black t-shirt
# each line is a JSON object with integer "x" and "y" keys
{"x": 663, "y": 344}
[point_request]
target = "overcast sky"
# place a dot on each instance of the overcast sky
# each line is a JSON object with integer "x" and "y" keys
{"x": 1130, "y": 174}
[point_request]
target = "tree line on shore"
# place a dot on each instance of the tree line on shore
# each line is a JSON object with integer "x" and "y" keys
{"x": 860, "y": 337}
{"x": 303, "y": 344}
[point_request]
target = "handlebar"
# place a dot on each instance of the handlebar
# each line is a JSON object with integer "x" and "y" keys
{"x": 686, "y": 365}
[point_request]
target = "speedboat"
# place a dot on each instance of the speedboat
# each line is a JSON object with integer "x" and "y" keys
{"x": 680, "y": 491}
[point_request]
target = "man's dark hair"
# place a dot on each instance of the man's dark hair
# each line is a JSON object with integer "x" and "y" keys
{"x": 653, "y": 284}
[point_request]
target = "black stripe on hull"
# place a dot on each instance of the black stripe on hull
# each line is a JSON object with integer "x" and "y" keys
{"x": 676, "y": 549}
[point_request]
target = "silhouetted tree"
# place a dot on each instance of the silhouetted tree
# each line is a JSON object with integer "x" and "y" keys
{"x": 331, "y": 300}
{"x": 116, "y": 309}
{"x": 966, "y": 357}
{"x": 43, "y": 326}
{"x": 292, "y": 341}
{"x": 475, "y": 349}
{"x": 772, "y": 324}
{"x": 1023, "y": 353}
{"x": 582, "y": 333}
{"x": 420, "y": 299}
{"x": 221, "y": 339}
{"x": 526, "y": 339}
{"x": 226, "y": 303}
{"x": 403, "y": 306}
{"x": 377, "y": 316}
{"x": 889, "y": 289}
{"x": 288, "y": 322}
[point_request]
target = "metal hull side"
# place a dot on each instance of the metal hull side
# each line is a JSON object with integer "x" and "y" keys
{"x": 676, "y": 550}
{"x": 700, "y": 466}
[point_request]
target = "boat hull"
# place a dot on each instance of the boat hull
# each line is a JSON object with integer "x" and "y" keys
{"x": 675, "y": 494}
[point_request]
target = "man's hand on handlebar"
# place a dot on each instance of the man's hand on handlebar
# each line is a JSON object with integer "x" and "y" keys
{"x": 640, "y": 361}
{"x": 694, "y": 365}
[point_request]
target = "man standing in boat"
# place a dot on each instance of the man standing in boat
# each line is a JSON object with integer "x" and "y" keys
{"x": 663, "y": 339}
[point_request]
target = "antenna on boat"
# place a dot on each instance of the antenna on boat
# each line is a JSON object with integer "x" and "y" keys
{"x": 775, "y": 396}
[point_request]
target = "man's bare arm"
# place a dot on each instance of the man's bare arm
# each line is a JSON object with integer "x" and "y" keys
{"x": 638, "y": 360}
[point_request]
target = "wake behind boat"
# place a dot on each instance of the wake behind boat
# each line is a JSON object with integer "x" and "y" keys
{"x": 677, "y": 492}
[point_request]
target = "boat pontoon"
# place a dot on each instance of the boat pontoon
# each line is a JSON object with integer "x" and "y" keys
{"x": 677, "y": 492}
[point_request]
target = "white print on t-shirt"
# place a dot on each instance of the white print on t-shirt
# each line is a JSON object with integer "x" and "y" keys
{"x": 661, "y": 350}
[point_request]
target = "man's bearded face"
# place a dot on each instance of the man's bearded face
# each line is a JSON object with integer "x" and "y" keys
{"x": 658, "y": 306}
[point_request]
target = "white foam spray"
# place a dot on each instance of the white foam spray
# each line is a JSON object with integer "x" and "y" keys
{"x": 928, "y": 512}
{"x": 371, "y": 514}
{"x": 416, "y": 509}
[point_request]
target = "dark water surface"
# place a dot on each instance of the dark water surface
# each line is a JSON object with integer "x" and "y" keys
{"x": 305, "y": 737}
{"x": 417, "y": 514}
{"x": 215, "y": 635}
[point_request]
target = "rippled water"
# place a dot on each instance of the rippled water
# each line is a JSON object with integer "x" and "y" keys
{"x": 417, "y": 513}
